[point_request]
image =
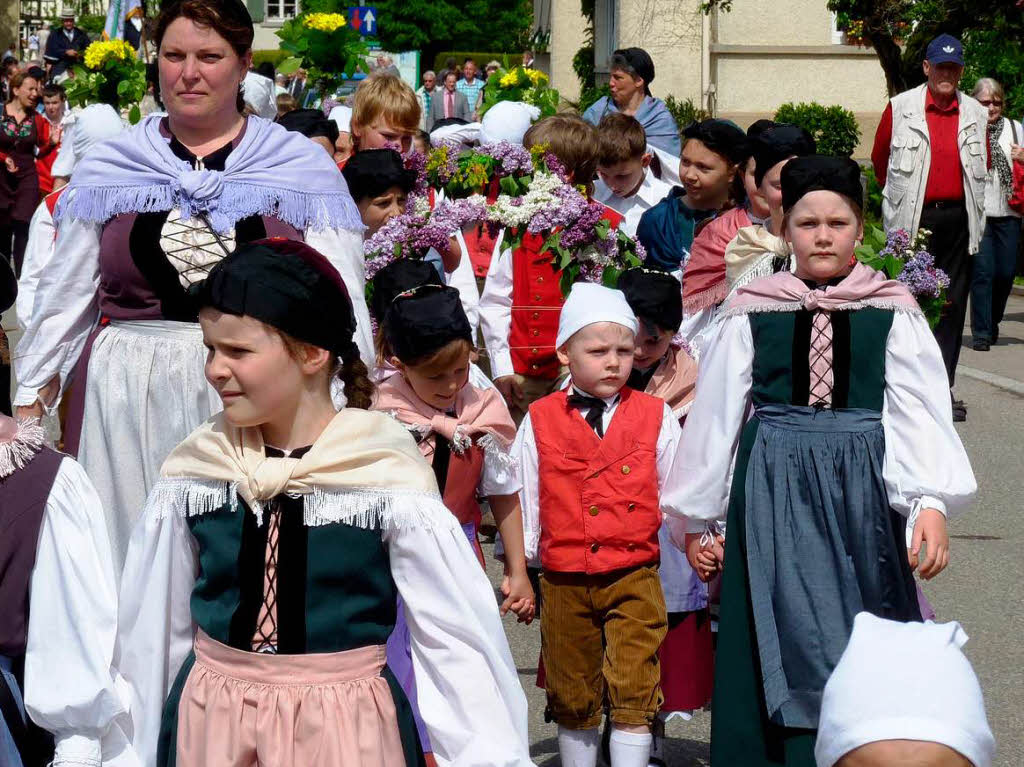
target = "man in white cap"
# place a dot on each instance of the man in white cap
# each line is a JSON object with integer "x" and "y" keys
{"x": 65, "y": 46}
{"x": 903, "y": 694}
{"x": 594, "y": 463}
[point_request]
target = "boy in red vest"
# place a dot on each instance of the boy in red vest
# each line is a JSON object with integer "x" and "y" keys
{"x": 595, "y": 459}
{"x": 521, "y": 298}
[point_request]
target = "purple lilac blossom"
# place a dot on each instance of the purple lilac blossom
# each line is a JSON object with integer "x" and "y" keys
{"x": 898, "y": 241}
{"x": 513, "y": 157}
{"x": 922, "y": 278}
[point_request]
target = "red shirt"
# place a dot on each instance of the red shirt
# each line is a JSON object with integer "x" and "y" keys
{"x": 945, "y": 176}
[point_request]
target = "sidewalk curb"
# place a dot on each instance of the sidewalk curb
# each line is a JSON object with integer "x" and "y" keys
{"x": 1018, "y": 290}
{"x": 994, "y": 379}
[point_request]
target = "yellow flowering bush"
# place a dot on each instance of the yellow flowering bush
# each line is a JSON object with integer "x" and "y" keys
{"x": 521, "y": 84}
{"x": 98, "y": 53}
{"x": 324, "y": 22}
{"x": 324, "y": 44}
{"x": 112, "y": 74}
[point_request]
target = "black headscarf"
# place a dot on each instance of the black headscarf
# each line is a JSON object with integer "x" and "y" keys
{"x": 371, "y": 172}
{"x": 289, "y": 286}
{"x": 639, "y": 61}
{"x": 778, "y": 144}
{"x": 310, "y": 123}
{"x": 654, "y": 296}
{"x": 398, "y": 277}
{"x": 723, "y": 137}
{"x": 817, "y": 172}
{"x": 424, "y": 320}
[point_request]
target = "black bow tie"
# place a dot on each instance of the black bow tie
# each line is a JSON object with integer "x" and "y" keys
{"x": 595, "y": 410}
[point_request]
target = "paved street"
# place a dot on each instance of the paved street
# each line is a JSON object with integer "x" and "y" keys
{"x": 983, "y": 587}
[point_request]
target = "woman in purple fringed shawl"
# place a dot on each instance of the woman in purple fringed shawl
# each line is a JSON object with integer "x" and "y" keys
{"x": 147, "y": 214}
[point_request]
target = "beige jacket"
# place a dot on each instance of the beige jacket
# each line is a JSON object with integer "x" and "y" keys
{"x": 910, "y": 158}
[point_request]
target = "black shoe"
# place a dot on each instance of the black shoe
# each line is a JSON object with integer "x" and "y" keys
{"x": 995, "y": 336}
{"x": 981, "y": 345}
{"x": 959, "y": 413}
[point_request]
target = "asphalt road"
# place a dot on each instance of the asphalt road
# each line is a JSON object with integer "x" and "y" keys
{"x": 983, "y": 587}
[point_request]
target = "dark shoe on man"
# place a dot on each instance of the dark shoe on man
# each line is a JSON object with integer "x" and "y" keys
{"x": 959, "y": 409}
{"x": 981, "y": 345}
{"x": 995, "y": 336}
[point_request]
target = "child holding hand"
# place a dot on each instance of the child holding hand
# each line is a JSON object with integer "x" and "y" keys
{"x": 262, "y": 578}
{"x": 594, "y": 461}
{"x": 850, "y": 459}
{"x": 464, "y": 431}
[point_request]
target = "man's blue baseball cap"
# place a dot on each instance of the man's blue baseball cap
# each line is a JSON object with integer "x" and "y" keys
{"x": 945, "y": 49}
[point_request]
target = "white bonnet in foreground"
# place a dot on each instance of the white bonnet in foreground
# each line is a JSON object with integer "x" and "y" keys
{"x": 903, "y": 681}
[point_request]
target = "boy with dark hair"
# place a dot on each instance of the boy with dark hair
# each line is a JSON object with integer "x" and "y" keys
{"x": 625, "y": 182}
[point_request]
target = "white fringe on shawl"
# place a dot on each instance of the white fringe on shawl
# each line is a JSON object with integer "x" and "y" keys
{"x": 16, "y": 454}
{"x": 371, "y": 508}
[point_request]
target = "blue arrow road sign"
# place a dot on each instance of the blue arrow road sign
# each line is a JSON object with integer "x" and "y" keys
{"x": 363, "y": 19}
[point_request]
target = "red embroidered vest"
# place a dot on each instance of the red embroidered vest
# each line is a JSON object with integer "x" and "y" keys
{"x": 536, "y": 303}
{"x": 460, "y": 486}
{"x": 480, "y": 244}
{"x": 599, "y": 498}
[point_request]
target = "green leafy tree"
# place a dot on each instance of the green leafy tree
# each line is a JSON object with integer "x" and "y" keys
{"x": 431, "y": 26}
{"x": 899, "y": 32}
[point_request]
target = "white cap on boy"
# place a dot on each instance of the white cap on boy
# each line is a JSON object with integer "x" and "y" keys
{"x": 507, "y": 121}
{"x": 903, "y": 681}
{"x": 589, "y": 303}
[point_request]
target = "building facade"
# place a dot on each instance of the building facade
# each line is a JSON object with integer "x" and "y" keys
{"x": 741, "y": 64}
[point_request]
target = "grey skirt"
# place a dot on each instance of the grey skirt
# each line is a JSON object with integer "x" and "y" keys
{"x": 822, "y": 545}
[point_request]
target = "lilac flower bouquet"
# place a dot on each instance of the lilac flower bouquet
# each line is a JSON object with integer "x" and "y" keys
{"x": 462, "y": 173}
{"x": 419, "y": 229}
{"x": 907, "y": 259}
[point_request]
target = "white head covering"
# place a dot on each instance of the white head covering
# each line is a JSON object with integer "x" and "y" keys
{"x": 343, "y": 116}
{"x": 881, "y": 690}
{"x": 589, "y": 303}
{"x": 259, "y": 93}
{"x": 95, "y": 123}
{"x": 507, "y": 121}
{"x": 467, "y": 134}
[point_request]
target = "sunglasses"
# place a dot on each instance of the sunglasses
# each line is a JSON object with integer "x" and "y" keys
{"x": 990, "y": 102}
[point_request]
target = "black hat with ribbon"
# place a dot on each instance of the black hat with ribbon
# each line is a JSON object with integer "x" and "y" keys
{"x": 424, "y": 320}
{"x": 289, "y": 286}
{"x": 803, "y": 175}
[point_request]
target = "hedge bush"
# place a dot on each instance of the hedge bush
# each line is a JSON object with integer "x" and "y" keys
{"x": 834, "y": 128}
{"x": 275, "y": 57}
{"x": 508, "y": 60}
{"x": 685, "y": 112}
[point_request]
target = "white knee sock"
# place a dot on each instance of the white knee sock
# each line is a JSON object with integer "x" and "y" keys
{"x": 578, "y": 748}
{"x": 630, "y": 749}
